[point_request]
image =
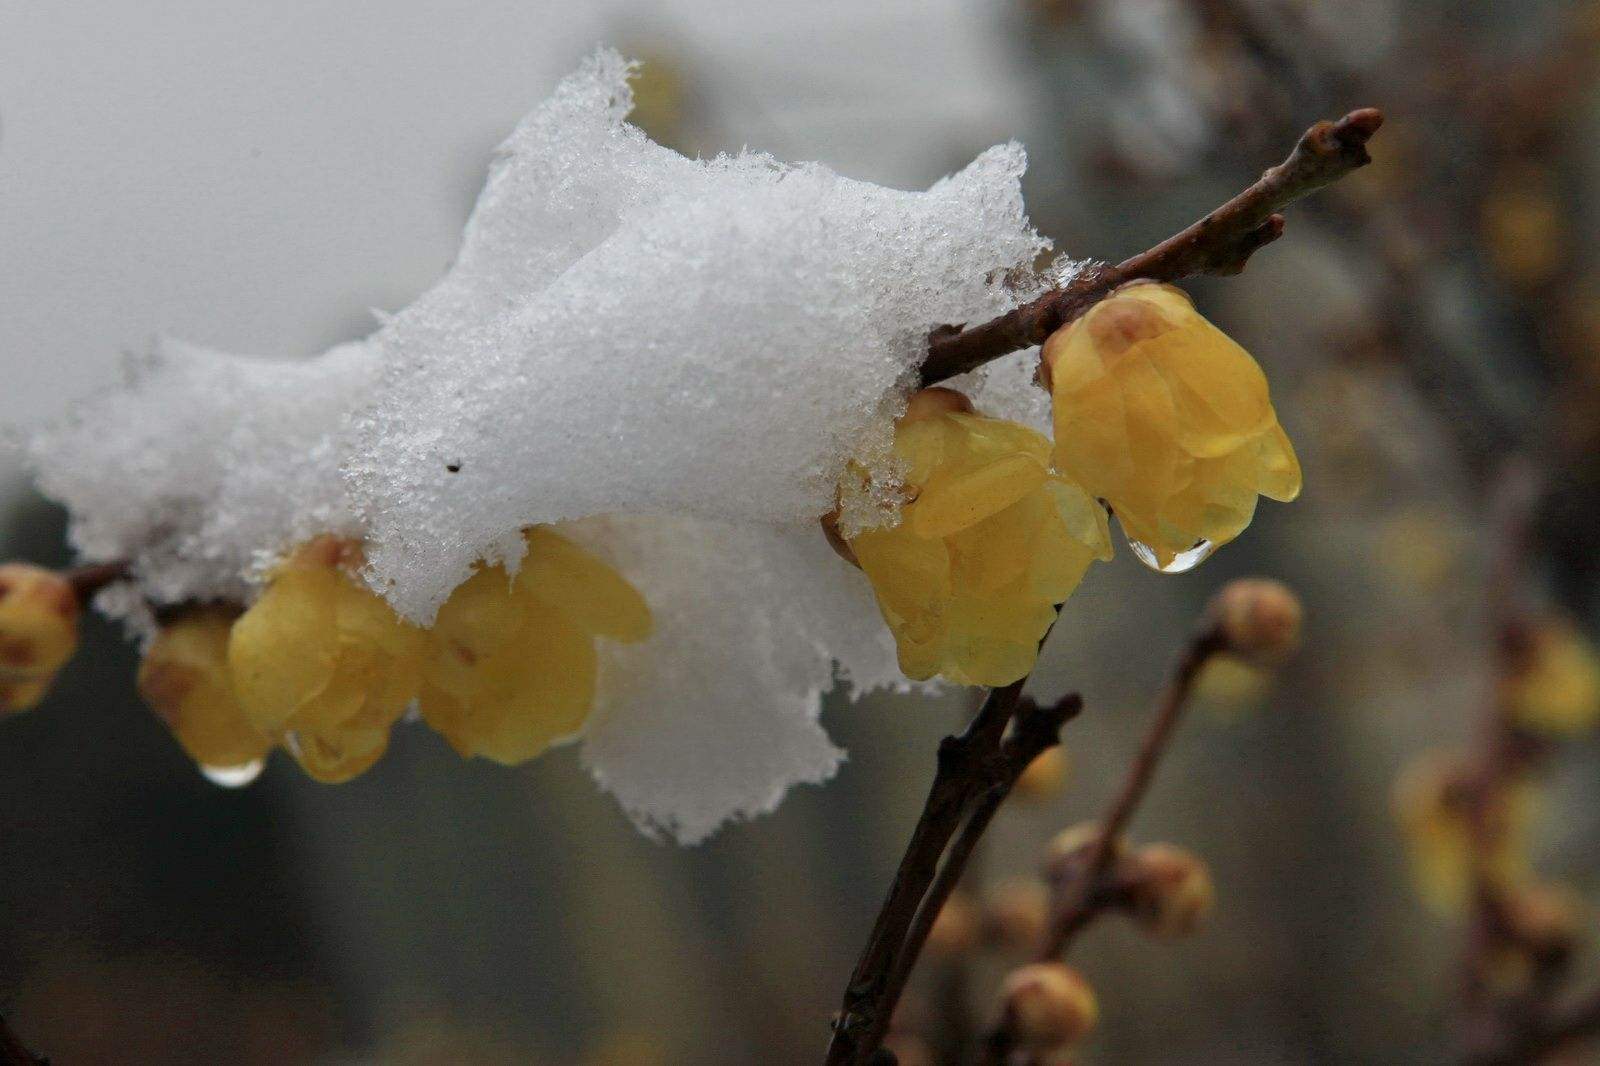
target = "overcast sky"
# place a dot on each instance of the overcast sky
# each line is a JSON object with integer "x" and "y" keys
{"x": 254, "y": 176}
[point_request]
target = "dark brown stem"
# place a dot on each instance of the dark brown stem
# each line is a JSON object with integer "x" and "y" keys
{"x": 1034, "y": 730}
{"x": 1094, "y": 888}
{"x": 90, "y": 578}
{"x": 963, "y": 773}
{"x": 1082, "y": 899}
{"x": 1220, "y": 243}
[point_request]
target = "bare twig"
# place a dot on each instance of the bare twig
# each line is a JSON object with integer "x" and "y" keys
{"x": 978, "y": 765}
{"x": 1095, "y": 887}
{"x": 1035, "y": 729}
{"x": 1079, "y": 902}
{"x": 1220, "y": 243}
{"x": 90, "y": 578}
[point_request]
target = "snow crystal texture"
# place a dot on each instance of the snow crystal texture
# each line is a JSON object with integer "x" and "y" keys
{"x": 675, "y": 357}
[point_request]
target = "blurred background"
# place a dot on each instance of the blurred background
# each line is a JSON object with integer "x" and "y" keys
{"x": 256, "y": 177}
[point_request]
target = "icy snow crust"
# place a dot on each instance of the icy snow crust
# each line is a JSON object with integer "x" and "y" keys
{"x": 682, "y": 354}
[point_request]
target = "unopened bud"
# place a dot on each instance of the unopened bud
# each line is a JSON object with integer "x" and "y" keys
{"x": 1017, "y": 914}
{"x": 937, "y": 400}
{"x": 1258, "y": 617}
{"x": 955, "y": 930}
{"x": 1048, "y": 1006}
{"x": 1045, "y": 775}
{"x": 1069, "y": 847}
{"x": 38, "y": 622}
{"x": 1170, "y": 891}
{"x": 19, "y": 696}
{"x": 1545, "y": 919}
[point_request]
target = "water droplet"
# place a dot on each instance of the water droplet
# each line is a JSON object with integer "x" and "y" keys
{"x": 1181, "y": 563}
{"x": 234, "y": 776}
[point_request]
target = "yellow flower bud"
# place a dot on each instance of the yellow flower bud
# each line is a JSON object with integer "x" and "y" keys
{"x": 1045, "y": 776}
{"x": 1048, "y": 1006}
{"x": 956, "y": 927}
{"x": 1259, "y": 618}
{"x": 1432, "y": 802}
{"x": 19, "y": 696}
{"x": 1557, "y": 686}
{"x": 38, "y": 623}
{"x": 185, "y": 679}
{"x": 1164, "y": 417}
{"x": 991, "y": 541}
{"x": 1170, "y": 890}
{"x": 323, "y": 663}
{"x": 1017, "y": 914}
{"x": 510, "y": 665}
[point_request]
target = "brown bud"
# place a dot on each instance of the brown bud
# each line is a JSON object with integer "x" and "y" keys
{"x": 19, "y": 696}
{"x": 1069, "y": 847}
{"x": 38, "y": 622}
{"x": 1045, "y": 775}
{"x": 1017, "y": 913}
{"x": 955, "y": 930}
{"x": 936, "y": 400}
{"x": 1258, "y": 617}
{"x": 1544, "y": 919}
{"x": 1048, "y": 1006}
{"x": 1170, "y": 890}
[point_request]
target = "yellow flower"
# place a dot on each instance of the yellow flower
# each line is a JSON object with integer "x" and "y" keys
{"x": 989, "y": 544}
{"x": 1433, "y": 804}
{"x": 510, "y": 663}
{"x": 184, "y": 678}
{"x": 38, "y": 633}
{"x": 1164, "y": 417}
{"x": 1557, "y": 688}
{"x": 323, "y": 663}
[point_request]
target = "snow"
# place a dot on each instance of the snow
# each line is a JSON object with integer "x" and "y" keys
{"x": 677, "y": 357}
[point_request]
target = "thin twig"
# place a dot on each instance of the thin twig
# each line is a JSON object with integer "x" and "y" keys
{"x": 1220, "y": 243}
{"x": 1080, "y": 900}
{"x": 1093, "y": 886}
{"x": 90, "y": 578}
{"x": 1035, "y": 729}
{"x": 966, "y": 764}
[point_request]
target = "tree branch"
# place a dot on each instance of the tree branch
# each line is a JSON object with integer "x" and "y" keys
{"x": 1081, "y": 900}
{"x": 1220, "y": 243}
{"x": 975, "y": 773}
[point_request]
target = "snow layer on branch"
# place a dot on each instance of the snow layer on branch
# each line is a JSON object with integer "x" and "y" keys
{"x": 204, "y": 465}
{"x": 628, "y": 330}
{"x": 673, "y": 357}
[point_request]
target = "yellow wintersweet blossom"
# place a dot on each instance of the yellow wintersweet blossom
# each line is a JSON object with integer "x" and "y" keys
{"x": 185, "y": 679}
{"x": 1164, "y": 417}
{"x": 38, "y": 633}
{"x": 510, "y": 663}
{"x": 323, "y": 663}
{"x": 989, "y": 543}
{"x": 1433, "y": 804}
{"x": 1557, "y": 688}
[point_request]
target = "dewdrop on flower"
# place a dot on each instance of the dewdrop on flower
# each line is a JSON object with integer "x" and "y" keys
{"x": 510, "y": 666}
{"x": 38, "y": 633}
{"x": 1164, "y": 417}
{"x": 323, "y": 663}
{"x": 184, "y": 678}
{"x": 989, "y": 543}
